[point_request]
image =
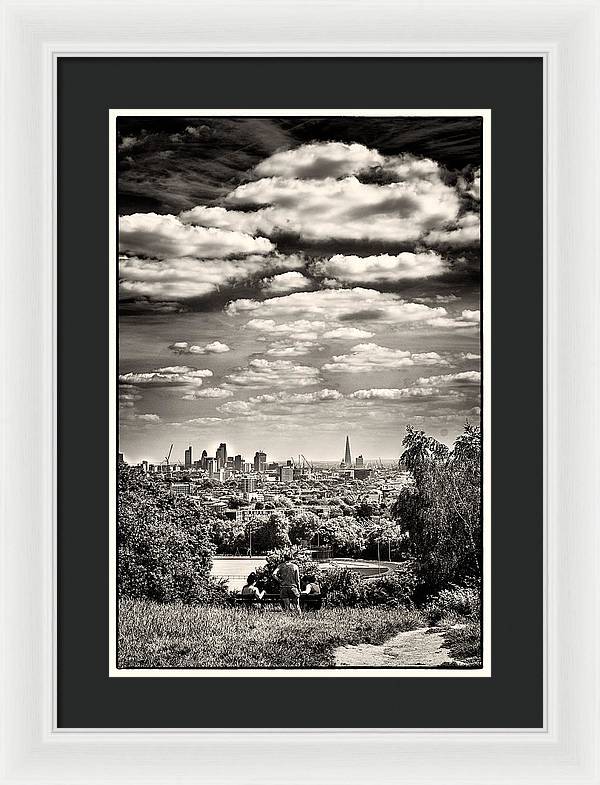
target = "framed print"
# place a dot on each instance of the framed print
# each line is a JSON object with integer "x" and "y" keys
{"x": 299, "y": 467}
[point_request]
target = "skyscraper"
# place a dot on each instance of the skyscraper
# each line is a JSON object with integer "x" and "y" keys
{"x": 188, "y": 457}
{"x": 248, "y": 484}
{"x": 203, "y": 459}
{"x": 360, "y": 462}
{"x": 286, "y": 473}
{"x": 347, "y": 454}
{"x": 260, "y": 462}
{"x": 221, "y": 455}
{"x": 237, "y": 463}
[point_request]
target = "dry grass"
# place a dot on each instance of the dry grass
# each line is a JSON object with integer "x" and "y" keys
{"x": 184, "y": 636}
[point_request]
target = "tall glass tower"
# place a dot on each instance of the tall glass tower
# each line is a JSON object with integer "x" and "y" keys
{"x": 347, "y": 454}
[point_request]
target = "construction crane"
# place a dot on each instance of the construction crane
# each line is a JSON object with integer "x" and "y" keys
{"x": 167, "y": 457}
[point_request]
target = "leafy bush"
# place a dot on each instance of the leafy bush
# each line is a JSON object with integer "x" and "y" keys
{"x": 346, "y": 587}
{"x": 164, "y": 548}
{"x": 395, "y": 589}
{"x": 456, "y": 601}
{"x": 464, "y": 644}
{"x": 214, "y": 592}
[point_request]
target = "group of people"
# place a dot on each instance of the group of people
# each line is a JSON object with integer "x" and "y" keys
{"x": 291, "y": 588}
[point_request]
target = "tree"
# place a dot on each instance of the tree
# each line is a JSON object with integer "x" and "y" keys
{"x": 344, "y": 535}
{"x": 164, "y": 547}
{"x": 441, "y": 513}
{"x": 272, "y": 534}
{"x": 303, "y": 526}
{"x": 228, "y": 535}
{"x": 364, "y": 510}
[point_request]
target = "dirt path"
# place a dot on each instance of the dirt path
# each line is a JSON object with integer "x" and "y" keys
{"x": 423, "y": 647}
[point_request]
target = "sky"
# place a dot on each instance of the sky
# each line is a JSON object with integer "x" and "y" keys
{"x": 287, "y": 281}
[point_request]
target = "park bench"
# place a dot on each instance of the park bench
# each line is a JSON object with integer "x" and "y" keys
{"x": 309, "y": 602}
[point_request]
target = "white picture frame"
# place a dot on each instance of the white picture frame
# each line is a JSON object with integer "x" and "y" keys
{"x": 565, "y": 33}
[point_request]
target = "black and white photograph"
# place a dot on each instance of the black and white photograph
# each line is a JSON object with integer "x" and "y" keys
{"x": 299, "y": 396}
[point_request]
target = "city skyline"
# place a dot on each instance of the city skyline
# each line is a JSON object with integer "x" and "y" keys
{"x": 287, "y": 280}
{"x": 199, "y": 451}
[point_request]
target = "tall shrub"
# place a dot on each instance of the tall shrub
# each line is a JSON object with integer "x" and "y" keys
{"x": 441, "y": 511}
{"x": 164, "y": 548}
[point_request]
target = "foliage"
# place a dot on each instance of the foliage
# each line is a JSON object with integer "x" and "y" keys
{"x": 228, "y": 535}
{"x": 440, "y": 513}
{"x": 346, "y": 587}
{"x": 365, "y": 510}
{"x": 344, "y": 535}
{"x": 271, "y": 534}
{"x": 215, "y": 592}
{"x": 464, "y": 643}
{"x": 455, "y": 602}
{"x": 159, "y": 636}
{"x": 164, "y": 548}
{"x": 303, "y": 526}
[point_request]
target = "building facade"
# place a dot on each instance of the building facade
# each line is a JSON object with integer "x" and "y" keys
{"x": 260, "y": 462}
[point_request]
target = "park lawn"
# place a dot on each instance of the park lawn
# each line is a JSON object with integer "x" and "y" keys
{"x": 187, "y": 636}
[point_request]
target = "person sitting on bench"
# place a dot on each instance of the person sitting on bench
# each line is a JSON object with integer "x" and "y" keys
{"x": 250, "y": 592}
{"x": 311, "y": 585}
{"x": 311, "y": 593}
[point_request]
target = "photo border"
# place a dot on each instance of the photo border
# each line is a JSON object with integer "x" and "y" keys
{"x": 485, "y": 341}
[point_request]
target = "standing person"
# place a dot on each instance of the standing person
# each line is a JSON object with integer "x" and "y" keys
{"x": 288, "y": 576}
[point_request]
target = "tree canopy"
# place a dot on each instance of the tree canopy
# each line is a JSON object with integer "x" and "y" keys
{"x": 441, "y": 512}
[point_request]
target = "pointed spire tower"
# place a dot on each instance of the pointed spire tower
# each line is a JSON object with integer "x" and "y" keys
{"x": 347, "y": 454}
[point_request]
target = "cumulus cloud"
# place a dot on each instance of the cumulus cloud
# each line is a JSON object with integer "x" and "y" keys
{"x": 207, "y": 392}
{"x": 297, "y": 349}
{"x": 358, "y": 304}
{"x": 184, "y": 347}
{"x": 320, "y": 160}
{"x": 383, "y": 268}
{"x": 161, "y": 236}
{"x": 286, "y": 282}
{"x": 392, "y": 394}
{"x": 464, "y": 231}
{"x": 348, "y": 333}
{"x": 315, "y": 191}
{"x": 275, "y": 401}
{"x": 153, "y": 418}
{"x": 300, "y": 330}
{"x": 370, "y": 357}
{"x": 158, "y": 284}
{"x": 273, "y": 373}
{"x": 174, "y": 375}
{"x": 201, "y": 421}
{"x": 345, "y": 209}
{"x": 181, "y": 279}
{"x": 465, "y": 320}
{"x": 464, "y": 378}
